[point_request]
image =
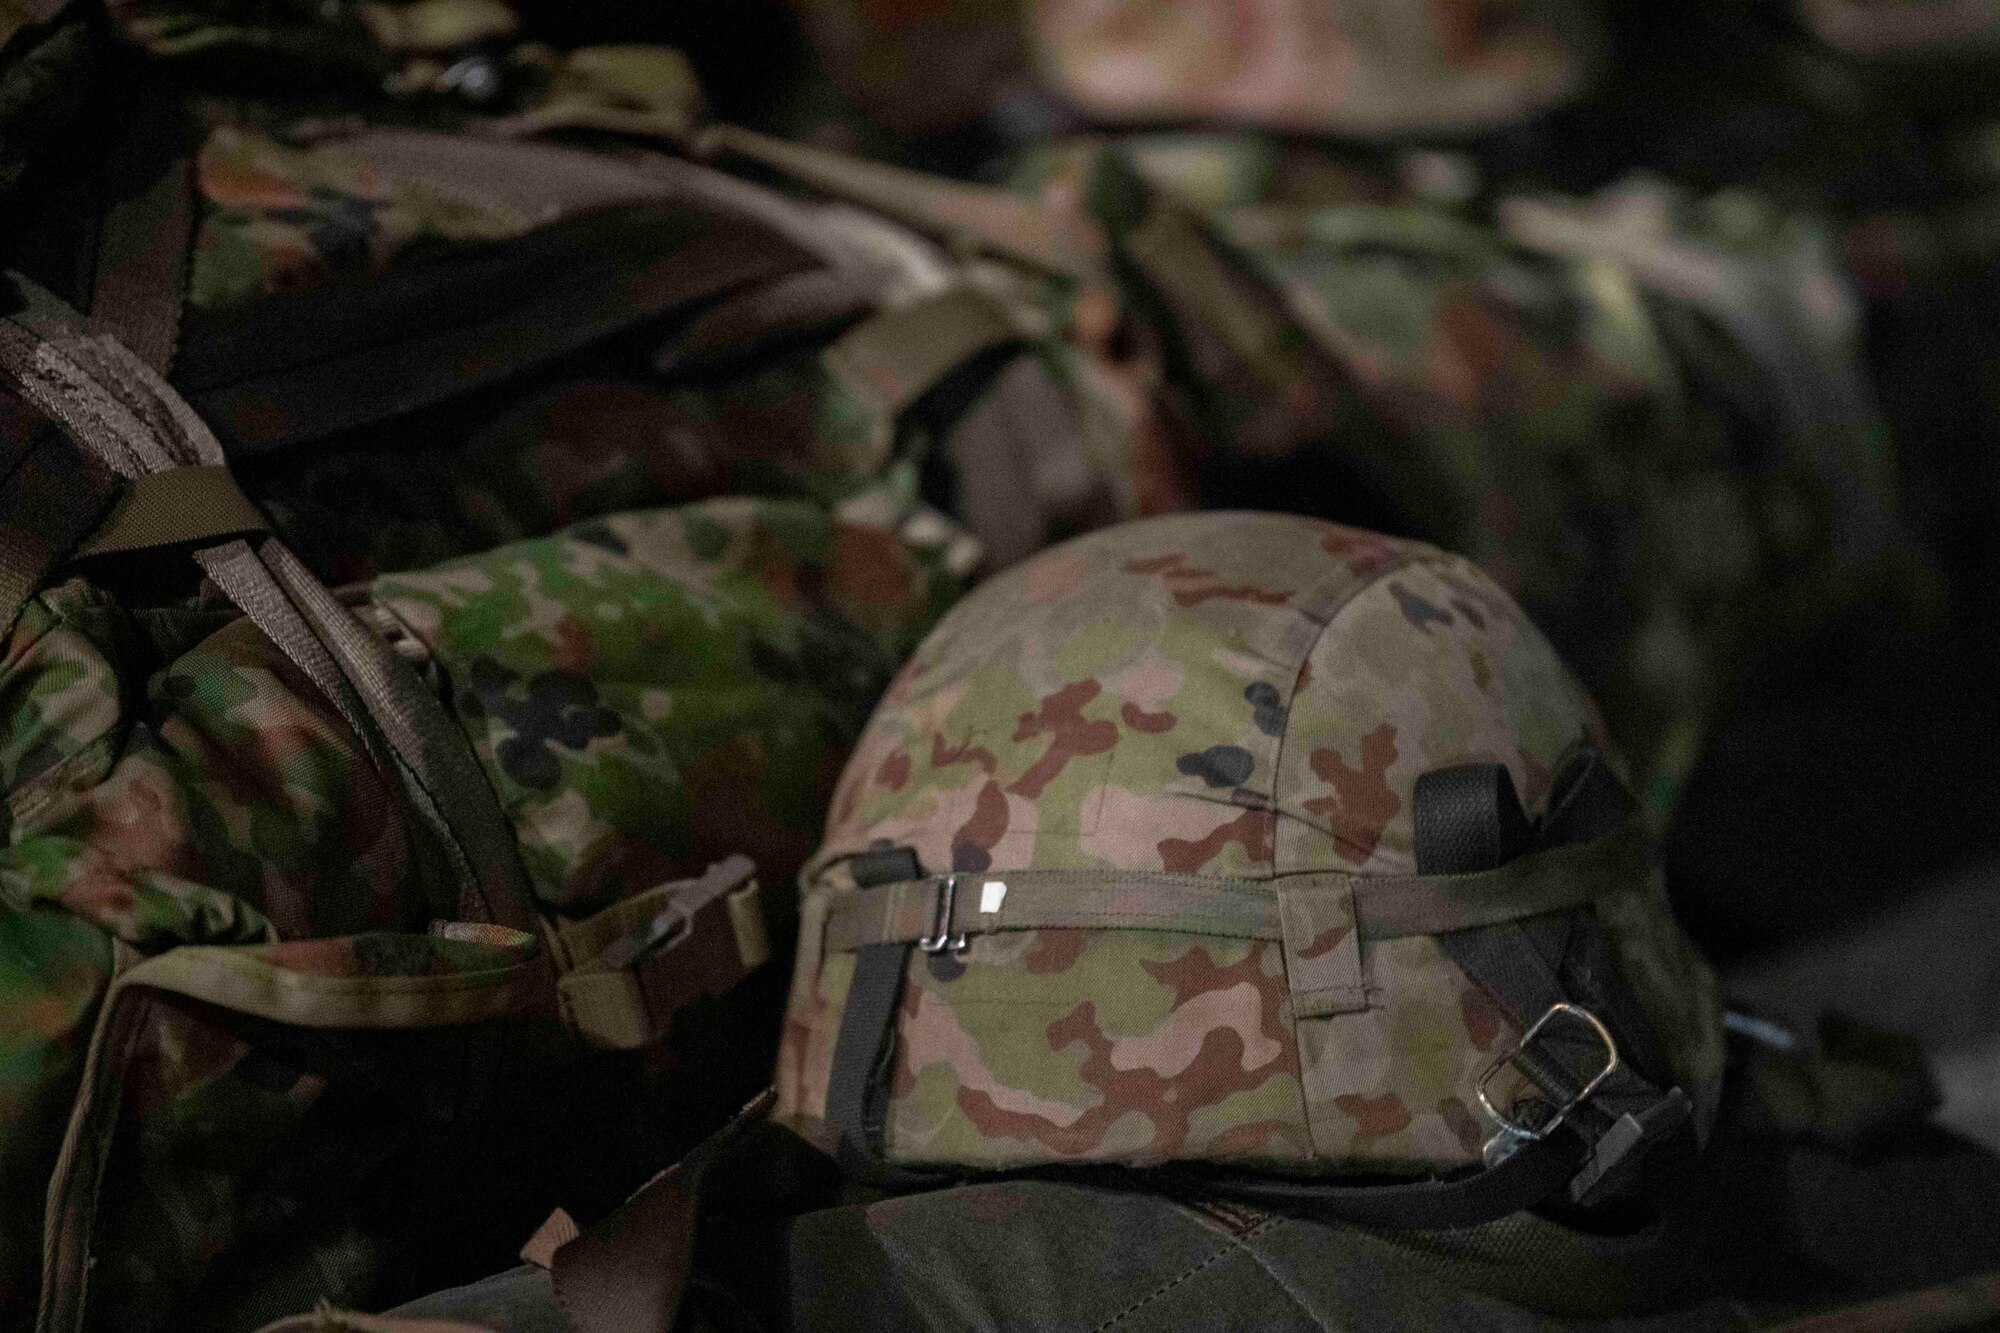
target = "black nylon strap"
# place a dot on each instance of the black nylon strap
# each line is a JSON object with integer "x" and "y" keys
{"x": 1464, "y": 814}
{"x": 1523, "y": 1180}
{"x": 852, "y": 1104}
{"x": 867, "y": 1026}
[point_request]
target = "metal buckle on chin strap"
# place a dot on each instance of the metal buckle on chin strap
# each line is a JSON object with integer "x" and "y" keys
{"x": 941, "y": 939}
{"x": 1513, "y": 1133}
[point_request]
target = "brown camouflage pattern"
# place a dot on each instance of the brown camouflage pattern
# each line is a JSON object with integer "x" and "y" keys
{"x": 1226, "y": 695}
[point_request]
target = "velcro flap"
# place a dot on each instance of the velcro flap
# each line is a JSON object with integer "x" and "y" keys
{"x": 1322, "y": 948}
{"x": 632, "y": 967}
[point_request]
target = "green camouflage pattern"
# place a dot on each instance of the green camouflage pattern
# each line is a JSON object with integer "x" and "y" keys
{"x": 278, "y": 219}
{"x": 1229, "y": 696}
{"x": 694, "y": 676}
{"x": 650, "y": 692}
{"x": 171, "y": 780}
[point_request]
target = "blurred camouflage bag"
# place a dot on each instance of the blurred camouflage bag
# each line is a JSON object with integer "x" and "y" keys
{"x": 394, "y": 262}
{"x": 1199, "y": 841}
{"x": 1663, "y": 444}
{"x": 1357, "y": 67}
{"x": 1338, "y": 66}
{"x": 423, "y": 349}
{"x": 268, "y": 844}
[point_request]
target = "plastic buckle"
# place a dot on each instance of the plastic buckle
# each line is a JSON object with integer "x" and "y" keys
{"x": 941, "y": 939}
{"x": 1512, "y": 1132}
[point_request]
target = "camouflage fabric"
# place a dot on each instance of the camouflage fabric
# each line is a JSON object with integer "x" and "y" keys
{"x": 229, "y": 806}
{"x": 177, "y": 789}
{"x": 649, "y": 692}
{"x": 1564, "y": 410}
{"x": 1383, "y": 66}
{"x": 285, "y": 220}
{"x": 1313, "y": 65}
{"x": 1121, "y": 706}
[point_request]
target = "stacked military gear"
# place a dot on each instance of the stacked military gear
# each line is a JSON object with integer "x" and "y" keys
{"x": 1176, "y": 779}
{"x": 1230, "y": 803}
{"x": 230, "y": 833}
{"x": 355, "y": 313}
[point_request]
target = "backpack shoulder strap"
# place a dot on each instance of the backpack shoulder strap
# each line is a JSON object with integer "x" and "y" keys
{"x": 122, "y": 413}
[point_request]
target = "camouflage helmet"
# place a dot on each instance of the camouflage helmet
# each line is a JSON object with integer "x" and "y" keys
{"x": 1343, "y": 66}
{"x": 1339, "y": 66}
{"x": 1872, "y": 29}
{"x": 1250, "y": 839}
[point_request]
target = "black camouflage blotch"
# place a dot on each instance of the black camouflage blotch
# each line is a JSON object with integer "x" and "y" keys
{"x": 971, "y": 858}
{"x": 1218, "y": 765}
{"x": 598, "y": 533}
{"x": 945, "y": 966}
{"x": 1469, "y": 611}
{"x": 341, "y": 226}
{"x": 1416, "y": 610}
{"x": 1270, "y": 714}
{"x": 836, "y": 663}
{"x": 559, "y": 708}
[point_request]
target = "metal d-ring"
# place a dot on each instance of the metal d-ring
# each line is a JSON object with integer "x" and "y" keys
{"x": 941, "y": 939}
{"x": 1512, "y": 1133}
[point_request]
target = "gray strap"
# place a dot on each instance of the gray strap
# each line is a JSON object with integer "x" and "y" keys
{"x": 1064, "y": 242}
{"x": 123, "y": 413}
{"x": 142, "y": 252}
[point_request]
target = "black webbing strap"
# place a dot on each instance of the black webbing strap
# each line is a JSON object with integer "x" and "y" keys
{"x": 854, "y": 1105}
{"x": 1532, "y": 1174}
{"x": 51, "y": 497}
{"x": 1470, "y": 818}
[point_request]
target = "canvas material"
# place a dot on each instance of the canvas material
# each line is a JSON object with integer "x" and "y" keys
{"x": 1229, "y": 696}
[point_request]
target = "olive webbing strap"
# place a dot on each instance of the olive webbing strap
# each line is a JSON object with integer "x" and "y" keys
{"x": 189, "y": 504}
{"x": 1062, "y": 242}
{"x": 127, "y": 416}
{"x": 1384, "y": 906}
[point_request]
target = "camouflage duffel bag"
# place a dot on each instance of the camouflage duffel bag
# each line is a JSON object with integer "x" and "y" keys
{"x": 315, "y": 906}
{"x": 424, "y": 320}
{"x": 1277, "y": 849}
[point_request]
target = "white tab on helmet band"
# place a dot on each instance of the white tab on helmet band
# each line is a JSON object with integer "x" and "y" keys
{"x": 991, "y": 894}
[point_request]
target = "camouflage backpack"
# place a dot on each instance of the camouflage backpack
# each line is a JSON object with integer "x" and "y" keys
{"x": 407, "y": 237}
{"x": 271, "y": 850}
{"x": 1257, "y": 843}
{"x": 350, "y": 929}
